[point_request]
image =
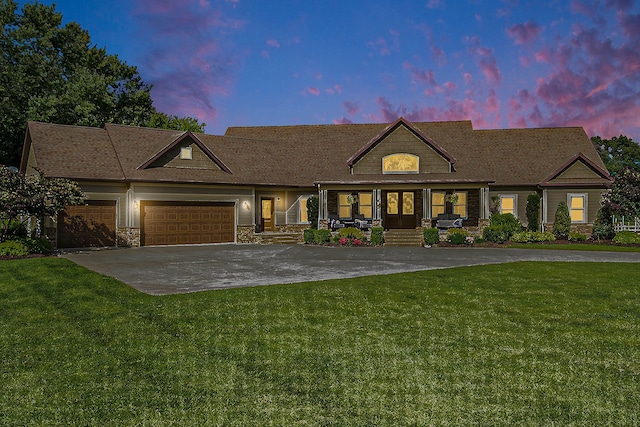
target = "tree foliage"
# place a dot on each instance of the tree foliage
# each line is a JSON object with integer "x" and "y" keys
{"x": 533, "y": 211}
{"x": 618, "y": 153}
{"x": 562, "y": 222}
{"x": 23, "y": 196}
{"x": 52, "y": 73}
{"x": 165, "y": 121}
{"x": 623, "y": 198}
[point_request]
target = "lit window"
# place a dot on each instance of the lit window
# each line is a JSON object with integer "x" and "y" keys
{"x": 460, "y": 205}
{"x": 344, "y": 205}
{"x": 400, "y": 163}
{"x": 186, "y": 153}
{"x": 304, "y": 217}
{"x": 577, "y": 207}
{"x": 508, "y": 204}
{"x": 437, "y": 204}
{"x": 407, "y": 203}
{"x": 365, "y": 205}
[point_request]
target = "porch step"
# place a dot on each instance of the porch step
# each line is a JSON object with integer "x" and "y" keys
{"x": 398, "y": 238}
{"x": 279, "y": 238}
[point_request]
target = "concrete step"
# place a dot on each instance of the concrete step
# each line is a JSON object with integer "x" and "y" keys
{"x": 279, "y": 239}
{"x": 403, "y": 238}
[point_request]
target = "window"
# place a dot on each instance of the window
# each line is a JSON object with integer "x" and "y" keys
{"x": 508, "y": 204}
{"x": 365, "y": 205}
{"x": 578, "y": 207}
{"x": 400, "y": 163}
{"x": 437, "y": 204}
{"x": 186, "y": 153}
{"x": 460, "y": 205}
{"x": 344, "y": 205}
{"x": 304, "y": 217}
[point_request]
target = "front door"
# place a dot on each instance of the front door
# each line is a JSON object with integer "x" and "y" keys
{"x": 400, "y": 211}
{"x": 268, "y": 221}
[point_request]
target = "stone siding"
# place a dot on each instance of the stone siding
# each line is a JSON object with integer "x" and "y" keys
{"x": 128, "y": 237}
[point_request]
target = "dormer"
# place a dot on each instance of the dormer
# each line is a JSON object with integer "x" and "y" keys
{"x": 401, "y": 149}
{"x": 186, "y": 151}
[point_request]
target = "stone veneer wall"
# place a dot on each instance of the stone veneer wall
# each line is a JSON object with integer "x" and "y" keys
{"x": 128, "y": 236}
{"x": 246, "y": 234}
{"x": 575, "y": 228}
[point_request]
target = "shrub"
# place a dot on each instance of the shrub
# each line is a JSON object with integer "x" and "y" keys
{"x": 38, "y": 245}
{"x": 431, "y": 236}
{"x": 562, "y": 222}
{"x": 457, "y": 236}
{"x": 14, "y": 248}
{"x": 533, "y": 236}
{"x": 577, "y": 237}
{"x": 533, "y": 211}
{"x": 627, "y": 238}
{"x": 13, "y": 228}
{"x": 322, "y": 236}
{"x": 603, "y": 225}
{"x": 313, "y": 210}
{"x": 351, "y": 233}
{"x": 495, "y": 234}
{"x": 510, "y": 223}
{"x": 309, "y": 236}
{"x": 377, "y": 236}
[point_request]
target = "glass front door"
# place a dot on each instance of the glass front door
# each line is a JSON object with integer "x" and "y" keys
{"x": 400, "y": 212}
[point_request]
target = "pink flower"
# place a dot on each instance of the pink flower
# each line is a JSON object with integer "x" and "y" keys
{"x": 343, "y": 240}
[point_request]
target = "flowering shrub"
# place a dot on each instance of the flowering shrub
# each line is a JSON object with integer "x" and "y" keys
{"x": 349, "y": 241}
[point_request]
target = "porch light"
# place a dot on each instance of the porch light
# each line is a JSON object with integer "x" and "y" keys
{"x": 246, "y": 205}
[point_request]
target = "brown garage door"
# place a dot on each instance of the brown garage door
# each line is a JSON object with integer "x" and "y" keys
{"x": 179, "y": 223}
{"x": 89, "y": 225}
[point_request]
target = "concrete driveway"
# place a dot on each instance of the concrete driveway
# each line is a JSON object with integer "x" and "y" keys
{"x": 180, "y": 269}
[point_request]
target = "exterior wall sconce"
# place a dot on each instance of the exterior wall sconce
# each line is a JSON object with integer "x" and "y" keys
{"x": 136, "y": 204}
{"x": 246, "y": 205}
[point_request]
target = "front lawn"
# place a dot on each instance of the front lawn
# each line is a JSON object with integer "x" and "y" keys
{"x": 513, "y": 344}
{"x": 587, "y": 246}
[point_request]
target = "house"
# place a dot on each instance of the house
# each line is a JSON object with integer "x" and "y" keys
{"x": 149, "y": 186}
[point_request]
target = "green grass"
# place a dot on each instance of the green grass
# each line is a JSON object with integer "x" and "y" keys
{"x": 514, "y": 344}
{"x": 576, "y": 247}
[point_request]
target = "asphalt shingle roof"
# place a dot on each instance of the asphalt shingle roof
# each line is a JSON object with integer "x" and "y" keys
{"x": 302, "y": 155}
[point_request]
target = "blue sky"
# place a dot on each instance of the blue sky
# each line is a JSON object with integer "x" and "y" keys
{"x": 505, "y": 63}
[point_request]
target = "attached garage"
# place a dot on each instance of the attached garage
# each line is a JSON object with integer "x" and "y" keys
{"x": 183, "y": 223}
{"x": 90, "y": 225}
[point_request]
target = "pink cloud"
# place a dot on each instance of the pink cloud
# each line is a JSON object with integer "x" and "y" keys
{"x": 434, "y": 4}
{"x": 380, "y": 45}
{"x": 524, "y": 33}
{"x": 351, "y": 107}
{"x": 189, "y": 70}
{"x": 422, "y": 76}
{"x": 342, "y": 121}
{"x": 338, "y": 88}
{"x": 468, "y": 78}
{"x": 273, "y": 43}
{"x": 450, "y": 86}
{"x": 630, "y": 25}
{"x": 488, "y": 65}
{"x": 313, "y": 91}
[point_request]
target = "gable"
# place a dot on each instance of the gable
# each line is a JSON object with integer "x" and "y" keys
{"x": 579, "y": 170}
{"x": 172, "y": 158}
{"x": 401, "y": 149}
{"x": 186, "y": 152}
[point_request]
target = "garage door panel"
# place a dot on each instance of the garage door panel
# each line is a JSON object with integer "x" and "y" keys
{"x": 171, "y": 223}
{"x": 89, "y": 225}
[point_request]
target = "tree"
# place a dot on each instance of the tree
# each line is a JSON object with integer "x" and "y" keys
{"x": 533, "y": 211}
{"x": 164, "y": 121}
{"x": 562, "y": 222}
{"x": 313, "y": 211}
{"x": 623, "y": 198}
{"x": 35, "y": 195}
{"x": 52, "y": 73}
{"x": 618, "y": 153}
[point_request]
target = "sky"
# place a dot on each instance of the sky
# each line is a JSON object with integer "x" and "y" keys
{"x": 500, "y": 64}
